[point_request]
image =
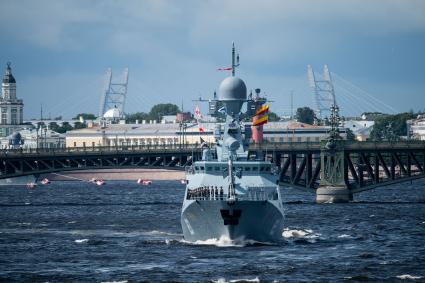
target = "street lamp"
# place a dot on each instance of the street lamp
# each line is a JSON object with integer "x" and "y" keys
{"x": 45, "y": 137}
{"x": 38, "y": 128}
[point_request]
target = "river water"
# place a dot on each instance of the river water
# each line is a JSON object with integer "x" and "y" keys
{"x": 125, "y": 232}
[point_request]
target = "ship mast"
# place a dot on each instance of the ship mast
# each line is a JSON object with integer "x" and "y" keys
{"x": 234, "y": 66}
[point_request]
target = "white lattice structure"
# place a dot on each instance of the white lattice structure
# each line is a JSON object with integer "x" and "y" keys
{"x": 114, "y": 94}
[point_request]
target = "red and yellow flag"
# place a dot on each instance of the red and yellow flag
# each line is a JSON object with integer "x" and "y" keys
{"x": 261, "y": 121}
{"x": 262, "y": 110}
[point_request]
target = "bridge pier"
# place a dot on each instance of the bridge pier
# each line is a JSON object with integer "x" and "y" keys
{"x": 333, "y": 194}
{"x": 332, "y": 188}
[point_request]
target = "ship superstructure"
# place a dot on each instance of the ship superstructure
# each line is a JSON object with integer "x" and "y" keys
{"x": 228, "y": 193}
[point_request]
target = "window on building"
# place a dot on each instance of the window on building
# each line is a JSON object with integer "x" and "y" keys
{"x": 21, "y": 116}
{"x": 84, "y": 144}
{"x": 75, "y": 144}
{"x": 4, "y": 115}
{"x": 13, "y": 116}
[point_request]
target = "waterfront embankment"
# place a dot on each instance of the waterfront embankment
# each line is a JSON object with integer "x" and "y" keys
{"x": 116, "y": 174}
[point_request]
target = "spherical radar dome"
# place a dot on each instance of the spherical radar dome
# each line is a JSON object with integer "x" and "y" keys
{"x": 232, "y": 88}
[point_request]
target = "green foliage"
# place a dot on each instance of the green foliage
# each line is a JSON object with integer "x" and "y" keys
{"x": 350, "y": 135}
{"x": 86, "y": 116}
{"x": 273, "y": 117}
{"x": 65, "y": 127}
{"x": 391, "y": 127}
{"x": 156, "y": 113}
{"x": 163, "y": 109}
{"x": 79, "y": 125}
{"x": 140, "y": 116}
{"x": 305, "y": 115}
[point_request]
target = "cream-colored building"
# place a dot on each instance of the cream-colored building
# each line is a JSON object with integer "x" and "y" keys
{"x": 11, "y": 108}
{"x": 175, "y": 134}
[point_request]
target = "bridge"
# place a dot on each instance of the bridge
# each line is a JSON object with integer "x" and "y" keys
{"x": 334, "y": 171}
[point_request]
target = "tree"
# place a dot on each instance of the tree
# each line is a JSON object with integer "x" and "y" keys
{"x": 79, "y": 125}
{"x": 53, "y": 126}
{"x": 273, "y": 117}
{"x": 305, "y": 115}
{"x": 64, "y": 128}
{"x": 140, "y": 116}
{"x": 163, "y": 109}
{"x": 390, "y": 127}
{"x": 86, "y": 116}
{"x": 350, "y": 135}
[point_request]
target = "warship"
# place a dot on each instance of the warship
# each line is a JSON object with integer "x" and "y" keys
{"x": 231, "y": 194}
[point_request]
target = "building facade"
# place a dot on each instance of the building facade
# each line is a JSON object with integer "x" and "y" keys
{"x": 416, "y": 128}
{"x": 360, "y": 128}
{"x": 175, "y": 134}
{"x": 11, "y": 108}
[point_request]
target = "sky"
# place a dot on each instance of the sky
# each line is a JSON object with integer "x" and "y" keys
{"x": 60, "y": 51}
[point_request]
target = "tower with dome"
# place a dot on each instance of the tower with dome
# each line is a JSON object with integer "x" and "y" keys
{"x": 11, "y": 108}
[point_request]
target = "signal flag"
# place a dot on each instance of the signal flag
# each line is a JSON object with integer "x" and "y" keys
{"x": 224, "y": 69}
{"x": 261, "y": 121}
{"x": 262, "y": 110}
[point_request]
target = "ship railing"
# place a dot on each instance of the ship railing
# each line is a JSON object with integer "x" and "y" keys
{"x": 252, "y": 194}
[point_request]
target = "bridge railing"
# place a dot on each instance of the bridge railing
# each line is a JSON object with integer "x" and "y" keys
{"x": 266, "y": 146}
{"x": 98, "y": 149}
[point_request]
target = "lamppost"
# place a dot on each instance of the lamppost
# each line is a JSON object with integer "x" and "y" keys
{"x": 38, "y": 128}
{"x": 45, "y": 137}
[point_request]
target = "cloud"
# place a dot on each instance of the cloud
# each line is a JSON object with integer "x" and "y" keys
{"x": 174, "y": 47}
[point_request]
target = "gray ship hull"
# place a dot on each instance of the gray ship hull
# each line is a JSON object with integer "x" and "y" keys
{"x": 260, "y": 221}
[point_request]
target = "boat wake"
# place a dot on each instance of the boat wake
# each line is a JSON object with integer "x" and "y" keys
{"x": 303, "y": 235}
{"x": 225, "y": 241}
{"x": 223, "y": 280}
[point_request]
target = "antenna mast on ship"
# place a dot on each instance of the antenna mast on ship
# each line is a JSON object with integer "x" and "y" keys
{"x": 234, "y": 66}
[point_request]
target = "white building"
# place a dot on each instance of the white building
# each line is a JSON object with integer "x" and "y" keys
{"x": 173, "y": 134}
{"x": 360, "y": 128}
{"x": 11, "y": 108}
{"x": 416, "y": 128}
{"x": 33, "y": 138}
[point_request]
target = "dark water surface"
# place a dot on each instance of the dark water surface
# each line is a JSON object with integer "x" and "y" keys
{"x": 124, "y": 232}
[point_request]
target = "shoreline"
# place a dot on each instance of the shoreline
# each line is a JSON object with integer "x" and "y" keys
{"x": 115, "y": 175}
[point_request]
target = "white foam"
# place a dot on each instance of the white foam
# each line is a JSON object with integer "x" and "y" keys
{"x": 223, "y": 280}
{"x": 122, "y": 281}
{"x": 344, "y": 236}
{"x": 307, "y": 234}
{"x": 224, "y": 241}
{"x": 408, "y": 277}
{"x": 79, "y": 241}
{"x": 160, "y": 233}
{"x": 72, "y": 222}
